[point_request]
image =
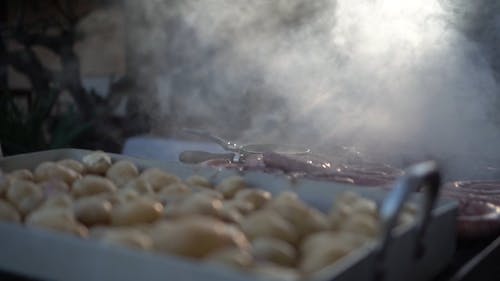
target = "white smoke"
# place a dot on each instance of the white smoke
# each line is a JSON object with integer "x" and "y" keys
{"x": 395, "y": 78}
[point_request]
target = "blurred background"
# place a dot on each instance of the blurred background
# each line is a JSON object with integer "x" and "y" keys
{"x": 418, "y": 80}
{"x": 65, "y": 76}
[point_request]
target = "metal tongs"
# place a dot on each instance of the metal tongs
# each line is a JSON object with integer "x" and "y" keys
{"x": 423, "y": 177}
{"x": 238, "y": 152}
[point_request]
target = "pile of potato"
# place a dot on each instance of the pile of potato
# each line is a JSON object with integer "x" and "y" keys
{"x": 153, "y": 210}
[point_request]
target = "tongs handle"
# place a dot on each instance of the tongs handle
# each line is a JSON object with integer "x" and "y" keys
{"x": 424, "y": 176}
{"x": 227, "y": 145}
{"x": 195, "y": 157}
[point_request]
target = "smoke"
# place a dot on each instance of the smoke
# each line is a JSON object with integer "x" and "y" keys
{"x": 399, "y": 80}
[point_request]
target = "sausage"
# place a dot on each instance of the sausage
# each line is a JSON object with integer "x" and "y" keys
{"x": 289, "y": 164}
{"x": 478, "y": 219}
{"x": 479, "y": 202}
{"x": 369, "y": 175}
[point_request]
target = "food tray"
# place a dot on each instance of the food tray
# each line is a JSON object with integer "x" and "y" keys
{"x": 53, "y": 256}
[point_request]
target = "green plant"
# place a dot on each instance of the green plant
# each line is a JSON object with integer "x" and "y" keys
{"x": 34, "y": 126}
{"x": 66, "y": 128}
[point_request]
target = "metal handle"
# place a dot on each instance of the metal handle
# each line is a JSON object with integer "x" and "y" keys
{"x": 195, "y": 157}
{"x": 227, "y": 145}
{"x": 424, "y": 176}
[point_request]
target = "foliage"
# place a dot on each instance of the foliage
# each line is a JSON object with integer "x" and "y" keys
{"x": 37, "y": 123}
{"x": 35, "y": 127}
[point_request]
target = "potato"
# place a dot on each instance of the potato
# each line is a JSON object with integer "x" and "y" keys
{"x": 197, "y": 203}
{"x": 410, "y": 208}
{"x": 235, "y": 257}
{"x": 210, "y": 192}
{"x": 358, "y": 206}
{"x": 230, "y": 186}
{"x": 255, "y": 196}
{"x": 74, "y": 165}
{"x": 8, "y": 213}
{"x": 353, "y": 213}
{"x": 349, "y": 203}
{"x": 325, "y": 256}
{"x": 126, "y": 195}
{"x": 323, "y": 249}
{"x": 129, "y": 238}
{"x": 406, "y": 219}
{"x": 274, "y": 250}
{"x": 136, "y": 211}
{"x": 408, "y": 214}
{"x": 305, "y": 219}
{"x": 56, "y": 219}
{"x": 171, "y": 211}
{"x": 365, "y": 206}
{"x": 141, "y": 186}
{"x": 158, "y": 228}
{"x": 197, "y": 180}
{"x": 229, "y": 215}
{"x": 54, "y": 187}
{"x": 22, "y": 174}
{"x": 316, "y": 241}
{"x": 122, "y": 196}
{"x": 335, "y": 219}
{"x": 346, "y": 197}
{"x": 97, "y": 162}
{"x": 274, "y": 272}
{"x": 4, "y": 184}
{"x": 62, "y": 201}
{"x": 200, "y": 204}
{"x": 91, "y": 185}
{"x": 122, "y": 172}
{"x": 175, "y": 189}
{"x": 25, "y": 195}
{"x": 158, "y": 178}
{"x": 286, "y": 197}
{"x": 267, "y": 223}
{"x": 362, "y": 224}
{"x": 198, "y": 237}
{"x": 243, "y": 207}
{"x": 92, "y": 210}
{"x": 47, "y": 171}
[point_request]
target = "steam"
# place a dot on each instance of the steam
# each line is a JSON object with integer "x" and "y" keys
{"x": 396, "y": 79}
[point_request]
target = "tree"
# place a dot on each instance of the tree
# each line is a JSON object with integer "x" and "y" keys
{"x": 31, "y": 24}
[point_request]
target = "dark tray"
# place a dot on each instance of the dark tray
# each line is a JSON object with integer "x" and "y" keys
{"x": 474, "y": 260}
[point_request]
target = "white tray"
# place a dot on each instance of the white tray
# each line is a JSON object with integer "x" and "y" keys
{"x": 53, "y": 256}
